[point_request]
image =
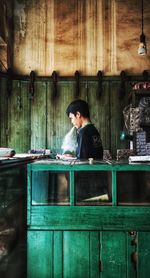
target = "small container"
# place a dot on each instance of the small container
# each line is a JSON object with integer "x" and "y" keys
{"x": 90, "y": 160}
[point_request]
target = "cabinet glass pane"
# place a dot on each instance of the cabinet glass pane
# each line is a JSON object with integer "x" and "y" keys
{"x": 50, "y": 188}
{"x": 93, "y": 188}
{"x": 133, "y": 188}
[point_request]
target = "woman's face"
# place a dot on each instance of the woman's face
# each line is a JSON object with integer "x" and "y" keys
{"x": 76, "y": 119}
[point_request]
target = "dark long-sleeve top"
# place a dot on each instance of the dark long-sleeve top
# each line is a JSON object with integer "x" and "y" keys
{"x": 89, "y": 143}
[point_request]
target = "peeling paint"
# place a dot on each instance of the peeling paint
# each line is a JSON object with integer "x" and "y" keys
{"x": 20, "y": 16}
{"x": 87, "y": 35}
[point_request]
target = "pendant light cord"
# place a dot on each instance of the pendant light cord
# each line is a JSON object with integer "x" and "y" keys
{"x": 142, "y": 17}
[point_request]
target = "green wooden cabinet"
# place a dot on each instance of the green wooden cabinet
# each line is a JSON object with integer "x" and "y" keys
{"x": 88, "y": 220}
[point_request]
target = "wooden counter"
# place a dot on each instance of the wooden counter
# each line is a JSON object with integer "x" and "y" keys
{"x": 88, "y": 220}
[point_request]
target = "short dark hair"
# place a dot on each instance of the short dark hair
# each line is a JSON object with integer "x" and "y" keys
{"x": 78, "y": 105}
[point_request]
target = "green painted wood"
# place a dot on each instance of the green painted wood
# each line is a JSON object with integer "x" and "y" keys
{"x": 88, "y": 241}
{"x": 19, "y": 117}
{"x": 100, "y": 110}
{"x": 39, "y": 257}
{"x": 131, "y": 237}
{"x": 67, "y": 165}
{"x": 114, "y": 188}
{"x": 51, "y": 131}
{"x": 120, "y": 217}
{"x": 51, "y": 165}
{"x": 94, "y": 254}
{"x": 83, "y": 90}
{"x": 114, "y": 258}
{"x": 58, "y": 123}
{"x": 58, "y": 254}
{"x": 76, "y": 254}
{"x": 91, "y": 217}
{"x": 26, "y": 129}
{"x": 143, "y": 264}
{"x": 39, "y": 116}
{"x": 116, "y": 119}
{"x": 48, "y": 123}
{"x": 72, "y": 195}
{"x": 29, "y": 183}
{"x": 3, "y": 113}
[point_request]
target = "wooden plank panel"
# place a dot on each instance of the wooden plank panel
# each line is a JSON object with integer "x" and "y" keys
{"x": 39, "y": 257}
{"x": 29, "y": 197}
{"x": 94, "y": 37}
{"x": 143, "y": 254}
{"x": 76, "y": 254}
{"x": 58, "y": 254}
{"x": 39, "y": 117}
{"x": 113, "y": 254}
{"x": 131, "y": 248}
{"x": 83, "y": 90}
{"x": 69, "y": 30}
{"x": 58, "y": 123}
{"x": 100, "y": 110}
{"x": 75, "y": 218}
{"x": 19, "y": 117}
{"x": 46, "y": 117}
{"x": 3, "y": 113}
{"x": 30, "y": 41}
{"x": 25, "y": 137}
{"x": 117, "y": 121}
{"x": 94, "y": 255}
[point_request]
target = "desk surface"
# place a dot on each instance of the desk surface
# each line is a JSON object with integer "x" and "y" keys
{"x": 77, "y": 165}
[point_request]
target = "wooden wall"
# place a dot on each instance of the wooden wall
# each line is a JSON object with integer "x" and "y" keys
{"x": 41, "y": 122}
{"x": 65, "y": 36}
{"x": 6, "y": 34}
{"x": 84, "y": 35}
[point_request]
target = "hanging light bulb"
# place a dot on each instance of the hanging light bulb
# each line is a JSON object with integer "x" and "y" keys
{"x": 142, "y": 50}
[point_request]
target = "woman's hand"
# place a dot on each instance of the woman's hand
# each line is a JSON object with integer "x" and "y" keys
{"x": 64, "y": 156}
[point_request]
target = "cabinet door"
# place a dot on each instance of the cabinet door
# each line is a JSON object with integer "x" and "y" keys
{"x": 81, "y": 254}
{"x": 116, "y": 251}
{"x": 39, "y": 254}
{"x": 88, "y": 254}
{"x": 68, "y": 254}
{"x": 144, "y": 254}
